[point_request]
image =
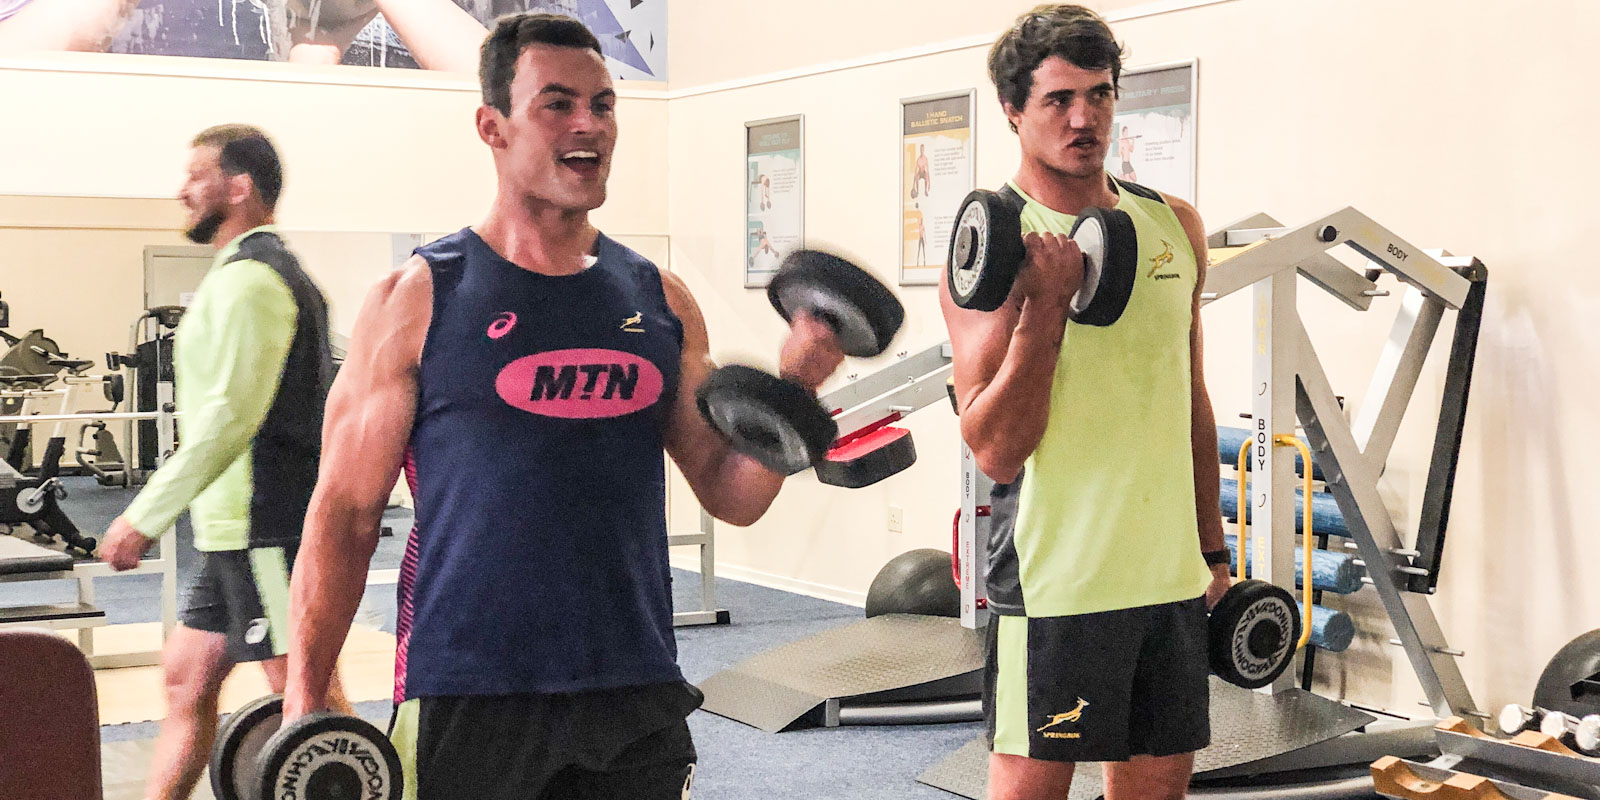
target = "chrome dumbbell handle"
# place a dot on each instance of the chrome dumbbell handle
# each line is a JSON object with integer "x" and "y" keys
{"x": 1515, "y": 719}
{"x": 1582, "y": 735}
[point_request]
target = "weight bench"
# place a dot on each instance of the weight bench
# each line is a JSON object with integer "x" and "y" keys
{"x": 20, "y": 561}
{"x": 50, "y": 731}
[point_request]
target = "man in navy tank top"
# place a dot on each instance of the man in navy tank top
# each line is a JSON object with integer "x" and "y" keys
{"x": 527, "y": 374}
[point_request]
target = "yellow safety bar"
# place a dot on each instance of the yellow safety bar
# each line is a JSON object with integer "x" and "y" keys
{"x": 1242, "y": 505}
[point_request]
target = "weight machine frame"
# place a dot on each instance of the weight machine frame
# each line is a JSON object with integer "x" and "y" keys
{"x": 1290, "y": 386}
{"x": 84, "y": 572}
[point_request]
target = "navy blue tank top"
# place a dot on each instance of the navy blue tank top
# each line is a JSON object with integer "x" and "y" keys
{"x": 538, "y": 563}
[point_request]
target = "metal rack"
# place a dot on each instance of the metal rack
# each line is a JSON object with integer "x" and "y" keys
{"x": 1472, "y": 764}
{"x": 707, "y": 613}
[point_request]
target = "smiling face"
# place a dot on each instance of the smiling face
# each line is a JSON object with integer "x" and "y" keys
{"x": 554, "y": 147}
{"x": 1065, "y": 125}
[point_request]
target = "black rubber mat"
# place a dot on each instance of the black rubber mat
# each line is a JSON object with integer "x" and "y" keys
{"x": 1246, "y": 726}
{"x": 889, "y": 656}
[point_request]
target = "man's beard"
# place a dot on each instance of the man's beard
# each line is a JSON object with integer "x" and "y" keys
{"x": 206, "y": 229}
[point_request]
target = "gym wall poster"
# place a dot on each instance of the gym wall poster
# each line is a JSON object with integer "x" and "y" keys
{"x": 632, "y": 33}
{"x": 937, "y": 170}
{"x": 1153, "y": 131}
{"x": 774, "y": 195}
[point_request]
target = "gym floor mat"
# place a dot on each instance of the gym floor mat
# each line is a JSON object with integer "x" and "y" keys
{"x": 890, "y": 653}
{"x": 1246, "y": 726}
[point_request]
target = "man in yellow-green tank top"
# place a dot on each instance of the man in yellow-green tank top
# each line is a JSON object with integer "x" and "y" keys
{"x": 1107, "y": 549}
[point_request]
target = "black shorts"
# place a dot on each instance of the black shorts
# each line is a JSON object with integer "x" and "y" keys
{"x": 244, "y": 595}
{"x": 614, "y": 743}
{"x": 1100, "y": 687}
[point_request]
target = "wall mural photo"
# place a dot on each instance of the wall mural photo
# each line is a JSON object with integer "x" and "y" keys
{"x": 404, "y": 34}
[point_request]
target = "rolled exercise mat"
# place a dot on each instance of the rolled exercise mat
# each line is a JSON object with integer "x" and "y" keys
{"x": 1325, "y": 514}
{"x": 1330, "y": 572}
{"x": 1331, "y": 630}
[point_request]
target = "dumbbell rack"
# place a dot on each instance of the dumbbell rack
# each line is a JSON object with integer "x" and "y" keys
{"x": 1260, "y": 253}
{"x": 1473, "y": 764}
{"x": 1352, "y": 455}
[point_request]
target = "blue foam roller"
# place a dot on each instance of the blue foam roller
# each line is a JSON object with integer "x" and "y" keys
{"x": 1325, "y": 514}
{"x": 1229, "y": 440}
{"x": 1331, "y": 630}
{"x": 1330, "y": 572}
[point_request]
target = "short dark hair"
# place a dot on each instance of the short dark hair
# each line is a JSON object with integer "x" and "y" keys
{"x": 497, "y": 61}
{"x": 246, "y": 150}
{"x": 1074, "y": 33}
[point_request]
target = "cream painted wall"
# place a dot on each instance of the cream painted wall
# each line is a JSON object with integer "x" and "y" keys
{"x": 1451, "y": 127}
{"x": 721, "y": 40}
{"x": 362, "y": 151}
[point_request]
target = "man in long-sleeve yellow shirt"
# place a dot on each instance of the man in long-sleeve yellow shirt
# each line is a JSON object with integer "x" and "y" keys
{"x": 253, "y": 367}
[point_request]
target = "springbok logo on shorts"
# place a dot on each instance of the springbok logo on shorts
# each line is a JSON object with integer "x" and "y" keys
{"x": 257, "y": 632}
{"x": 1062, "y": 719}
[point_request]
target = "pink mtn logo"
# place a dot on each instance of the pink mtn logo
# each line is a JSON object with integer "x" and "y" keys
{"x": 584, "y": 383}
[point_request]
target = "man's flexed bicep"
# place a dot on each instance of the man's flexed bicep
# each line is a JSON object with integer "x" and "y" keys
{"x": 365, "y": 433}
{"x": 1004, "y": 366}
{"x": 730, "y": 486}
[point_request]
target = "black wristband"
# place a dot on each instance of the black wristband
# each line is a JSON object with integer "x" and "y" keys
{"x": 1215, "y": 557}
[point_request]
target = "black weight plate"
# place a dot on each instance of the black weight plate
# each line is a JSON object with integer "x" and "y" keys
{"x": 986, "y": 250}
{"x": 238, "y": 747}
{"x": 1253, "y": 632}
{"x": 327, "y": 756}
{"x": 1570, "y": 681}
{"x": 1112, "y": 266}
{"x": 769, "y": 419}
{"x": 863, "y": 312}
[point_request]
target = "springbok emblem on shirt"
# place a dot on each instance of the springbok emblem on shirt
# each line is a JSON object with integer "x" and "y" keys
{"x": 1159, "y": 261}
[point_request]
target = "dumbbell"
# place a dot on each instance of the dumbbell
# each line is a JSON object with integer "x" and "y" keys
{"x": 321, "y": 756}
{"x": 777, "y": 422}
{"x": 1515, "y": 719}
{"x": 1582, "y": 735}
{"x": 986, "y": 253}
{"x": 1252, "y": 633}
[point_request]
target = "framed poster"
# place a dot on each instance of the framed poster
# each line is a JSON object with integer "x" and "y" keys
{"x": 774, "y": 195}
{"x": 1153, "y": 131}
{"x": 936, "y": 173}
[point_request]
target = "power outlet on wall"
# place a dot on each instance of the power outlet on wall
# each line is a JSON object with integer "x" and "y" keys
{"x": 897, "y": 519}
